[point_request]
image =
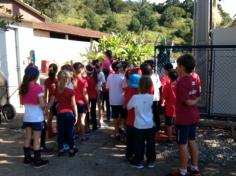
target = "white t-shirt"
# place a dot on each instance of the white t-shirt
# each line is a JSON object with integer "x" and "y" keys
{"x": 101, "y": 80}
{"x": 115, "y": 83}
{"x": 33, "y": 113}
{"x": 156, "y": 84}
{"x": 142, "y": 104}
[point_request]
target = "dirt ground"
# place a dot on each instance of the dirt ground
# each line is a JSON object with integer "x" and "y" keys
{"x": 100, "y": 156}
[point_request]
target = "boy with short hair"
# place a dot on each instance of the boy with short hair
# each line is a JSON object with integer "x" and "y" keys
{"x": 187, "y": 116}
{"x": 115, "y": 83}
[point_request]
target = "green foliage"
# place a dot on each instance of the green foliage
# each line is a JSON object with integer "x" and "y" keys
{"x": 110, "y": 24}
{"x": 135, "y": 24}
{"x": 4, "y": 23}
{"x": 127, "y": 47}
{"x": 226, "y": 19}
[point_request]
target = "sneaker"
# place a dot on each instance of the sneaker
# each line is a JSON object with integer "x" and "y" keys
{"x": 41, "y": 163}
{"x": 151, "y": 165}
{"x": 176, "y": 173}
{"x": 27, "y": 161}
{"x": 137, "y": 165}
{"x": 66, "y": 147}
{"x": 72, "y": 154}
{"x": 193, "y": 172}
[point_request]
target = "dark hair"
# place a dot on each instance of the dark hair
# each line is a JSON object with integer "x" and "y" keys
{"x": 67, "y": 67}
{"x": 116, "y": 66}
{"x": 78, "y": 66}
{"x": 52, "y": 71}
{"x": 125, "y": 65}
{"x": 188, "y": 62}
{"x": 173, "y": 75}
{"x": 151, "y": 63}
{"x": 168, "y": 67}
{"x": 108, "y": 54}
{"x": 145, "y": 84}
{"x": 95, "y": 62}
{"x": 24, "y": 87}
{"x": 146, "y": 69}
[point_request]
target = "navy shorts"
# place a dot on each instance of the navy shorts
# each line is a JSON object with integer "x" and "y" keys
{"x": 169, "y": 121}
{"x": 53, "y": 109}
{"x": 82, "y": 108}
{"x": 35, "y": 126}
{"x": 118, "y": 111}
{"x": 185, "y": 133}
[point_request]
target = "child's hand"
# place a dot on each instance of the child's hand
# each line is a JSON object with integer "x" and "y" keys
{"x": 76, "y": 120}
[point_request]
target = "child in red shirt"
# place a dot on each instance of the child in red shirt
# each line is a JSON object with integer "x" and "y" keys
{"x": 187, "y": 116}
{"x": 169, "y": 94}
{"x": 67, "y": 115}
{"x": 130, "y": 90}
{"x": 50, "y": 85}
{"x": 81, "y": 97}
{"x": 92, "y": 93}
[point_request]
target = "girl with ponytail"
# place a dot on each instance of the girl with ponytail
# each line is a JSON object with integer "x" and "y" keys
{"x": 66, "y": 113}
{"x": 32, "y": 97}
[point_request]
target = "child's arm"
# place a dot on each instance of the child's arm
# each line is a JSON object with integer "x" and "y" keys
{"x": 42, "y": 102}
{"x": 86, "y": 98}
{"x": 191, "y": 102}
{"x": 73, "y": 102}
{"x": 131, "y": 105}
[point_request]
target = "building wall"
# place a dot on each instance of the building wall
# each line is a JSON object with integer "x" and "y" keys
{"x": 18, "y": 9}
{"x": 15, "y": 47}
{"x": 41, "y": 33}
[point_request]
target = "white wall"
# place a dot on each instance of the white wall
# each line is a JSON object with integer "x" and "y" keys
{"x": 224, "y": 84}
{"x": 18, "y": 42}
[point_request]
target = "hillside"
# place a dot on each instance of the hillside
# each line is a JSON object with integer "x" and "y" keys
{"x": 170, "y": 21}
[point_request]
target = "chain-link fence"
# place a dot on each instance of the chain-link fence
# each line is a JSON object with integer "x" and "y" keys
{"x": 216, "y": 66}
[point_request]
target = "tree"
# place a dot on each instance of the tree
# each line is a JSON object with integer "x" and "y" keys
{"x": 226, "y": 19}
{"x": 134, "y": 25}
{"x": 92, "y": 21}
{"x": 171, "y": 14}
{"x": 4, "y": 23}
{"x": 117, "y": 5}
{"x": 110, "y": 24}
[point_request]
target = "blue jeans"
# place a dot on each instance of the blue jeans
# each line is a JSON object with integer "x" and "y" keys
{"x": 65, "y": 125}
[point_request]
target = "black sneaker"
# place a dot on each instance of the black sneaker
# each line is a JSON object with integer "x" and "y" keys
{"x": 72, "y": 154}
{"x": 151, "y": 164}
{"x": 27, "y": 161}
{"x": 40, "y": 163}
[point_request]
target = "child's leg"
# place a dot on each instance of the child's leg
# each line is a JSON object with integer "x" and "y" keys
{"x": 61, "y": 131}
{"x": 37, "y": 140}
{"x": 169, "y": 123}
{"x": 28, "y": 137}
{"x": 82, "y": 123}
{"x": 69, "y": 127}
{"x": 150, "y": 145}
{"x": 93, "y": 113}
{"x": 139, "y": 146}
{"x": 182, "y": 132}
{"x": 108, "y": 111}
{"x": 129, "y": 142}
{"x": 100, "y": 109}
{"x": 43, "y": 135}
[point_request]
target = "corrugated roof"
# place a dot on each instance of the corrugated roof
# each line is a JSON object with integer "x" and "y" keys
{"x": 67, "y": 29}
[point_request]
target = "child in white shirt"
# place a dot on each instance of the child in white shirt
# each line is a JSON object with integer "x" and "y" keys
{"x": 144, "y": 125}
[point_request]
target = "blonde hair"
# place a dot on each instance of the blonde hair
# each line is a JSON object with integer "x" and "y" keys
{"x": 63, "y": 77}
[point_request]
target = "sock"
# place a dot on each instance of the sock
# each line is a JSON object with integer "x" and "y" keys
{"x": 194, "y": 167}
{"x": 183, "y": 171}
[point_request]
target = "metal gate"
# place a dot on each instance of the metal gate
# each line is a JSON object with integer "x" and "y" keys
{"x": 216, "y": 66}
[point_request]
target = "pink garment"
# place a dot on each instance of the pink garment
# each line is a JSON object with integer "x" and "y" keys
{"x": 32, "y": 96}
{"x": 106, "y": 64}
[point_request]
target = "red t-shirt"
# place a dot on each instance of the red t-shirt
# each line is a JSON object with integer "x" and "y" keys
{"x": 92, "y": 83}
{"x": 50, "y": 85}
{"x": 186, "y": 88}
{"x": 169, "y": 94}
{"x": 81, "y": 85}
{"x": 64, "y": 100}
{"x": 165, "y": 80}
{"x": 129, "y": 92}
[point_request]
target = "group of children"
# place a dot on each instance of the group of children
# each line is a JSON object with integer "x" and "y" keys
{"x": 135, "y": 96}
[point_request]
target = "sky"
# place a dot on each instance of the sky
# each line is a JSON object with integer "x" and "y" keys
{"x": 228, "y": 5}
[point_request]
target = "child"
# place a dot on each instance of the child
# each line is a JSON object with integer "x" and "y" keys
{"x": 81, "y": 96}
{"x": 144, "y": 131}
{"x": 32, "y": 97}
{"x": 187, "y": 116}
{"x": 114, "y": 85}
{"x": 101, "y": 83}
{"x": 49, "y": 88}
{"x": 92, "y": 93}
{"x": 66, "y": 113}
{"x": 147, "y": 70}
{"x": 130, "y": 90}
{"x": 169, "y": 94}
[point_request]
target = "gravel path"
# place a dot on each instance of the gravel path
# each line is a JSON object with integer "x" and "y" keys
{"x": 102, "y": 156}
